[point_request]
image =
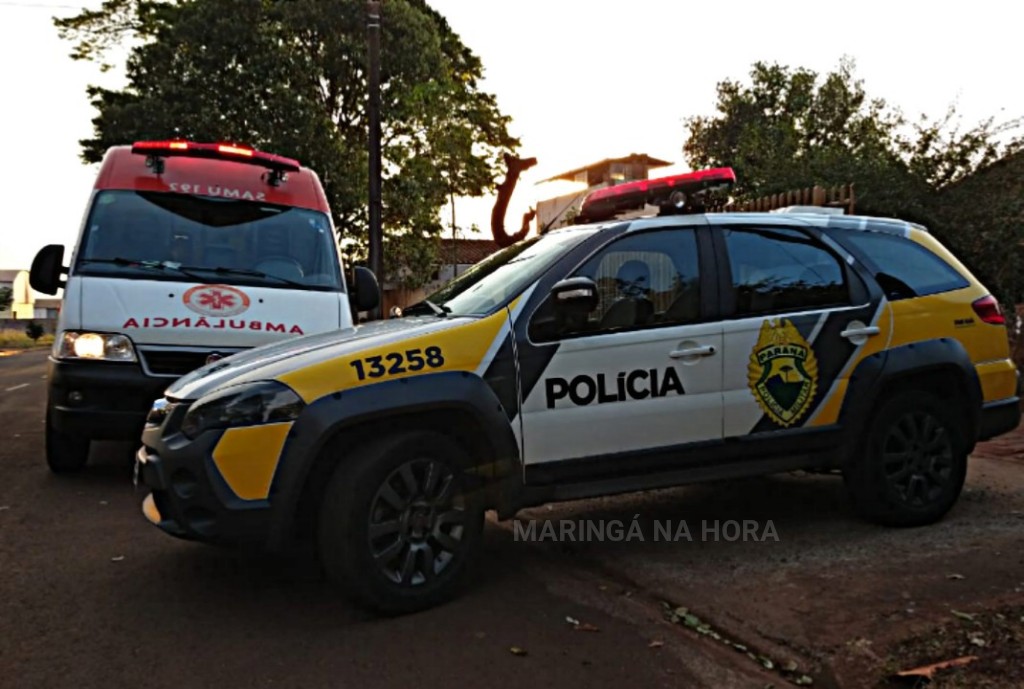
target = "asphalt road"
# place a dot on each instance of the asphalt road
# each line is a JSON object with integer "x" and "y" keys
{"x": 93, "y": 596}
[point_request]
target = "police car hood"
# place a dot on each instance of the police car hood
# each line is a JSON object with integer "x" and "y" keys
{"x": 270, "y": 361}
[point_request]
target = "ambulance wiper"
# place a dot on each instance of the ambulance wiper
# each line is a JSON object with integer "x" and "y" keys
{"x": 221, "y": 270}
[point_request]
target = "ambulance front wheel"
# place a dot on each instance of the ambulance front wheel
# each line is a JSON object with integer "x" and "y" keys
{"x": 65, "y": 453}
{"x": 401, "y": 521}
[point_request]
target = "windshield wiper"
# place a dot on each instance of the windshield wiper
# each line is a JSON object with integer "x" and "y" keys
{"x": 439, "y": 311}
{"x": 221, "y": 270}
{"x": 190, "y": 271}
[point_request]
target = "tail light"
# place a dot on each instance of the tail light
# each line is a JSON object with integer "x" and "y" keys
{"x": 988, "y": 310}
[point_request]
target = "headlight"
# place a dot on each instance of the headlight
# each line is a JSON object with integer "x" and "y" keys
{"x": 99, "y": 346}
{"x": 249, "y": 404}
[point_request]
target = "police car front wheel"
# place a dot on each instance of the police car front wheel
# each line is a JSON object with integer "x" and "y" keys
{"x": 400, "y": 522}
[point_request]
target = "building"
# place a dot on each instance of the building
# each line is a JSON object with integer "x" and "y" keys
{"x": 560, "y": 210}
{"x": 26, "y": 304}
{"x": 22, "y": 298}
{"x": 455, "y": 256}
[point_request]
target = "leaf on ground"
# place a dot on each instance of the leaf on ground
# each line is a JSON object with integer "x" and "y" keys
{"x": 955, "y": 576}
{"x": 117, "y": 558}
{"x": 790, "y": 666}
{"x": 656, "y": 644}
{"x": 928, "y": 671}
{"x": 516, "y": 651}
{"x": 963, "y": 615}
{"x": 803, "y": 681}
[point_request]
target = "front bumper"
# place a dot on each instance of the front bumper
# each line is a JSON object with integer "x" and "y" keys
{"x": 189, "y": 498}
{"x": 115, "y": 398}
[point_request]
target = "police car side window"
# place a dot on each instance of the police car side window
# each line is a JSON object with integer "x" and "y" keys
{"x": 647, "y": 279}
{"x": 778, "y": 269}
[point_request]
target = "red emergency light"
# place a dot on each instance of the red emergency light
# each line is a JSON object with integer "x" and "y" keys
{"x": 221, "y": 151}
{"x": 675, "y": 194}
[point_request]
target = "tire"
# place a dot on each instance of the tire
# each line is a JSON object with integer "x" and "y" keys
{"x": 65, "y": 454}
{"x": 912, "y": 463}
{"x": 426, "y": 530}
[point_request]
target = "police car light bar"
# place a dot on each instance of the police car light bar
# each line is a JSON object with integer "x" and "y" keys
{"x": 192, "y": 149}
{"x": 671, "y": 194}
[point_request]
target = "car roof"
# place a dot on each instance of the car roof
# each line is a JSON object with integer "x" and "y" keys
{"x": 811, "y": 219}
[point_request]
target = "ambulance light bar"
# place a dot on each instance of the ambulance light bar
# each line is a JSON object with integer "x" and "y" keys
{"x": 220, "y": 151}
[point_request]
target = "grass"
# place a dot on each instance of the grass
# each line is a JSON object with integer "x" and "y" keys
{"x": 17, "y": 339}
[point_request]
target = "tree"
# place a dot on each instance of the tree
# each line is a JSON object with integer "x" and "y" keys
{"x": 6, "y": 298}
{"x": 290, "y": 77}
{"x": 34, "y": 330}
{"x": 789, "y": 128}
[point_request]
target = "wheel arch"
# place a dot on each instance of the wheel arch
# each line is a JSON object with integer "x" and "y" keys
{"x": 458, "y": 404}
{"x": 941, "y": 367}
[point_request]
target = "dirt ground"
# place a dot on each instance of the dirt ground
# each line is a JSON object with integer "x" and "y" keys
{"x": 92, "y": 595}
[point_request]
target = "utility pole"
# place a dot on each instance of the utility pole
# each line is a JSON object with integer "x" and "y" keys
{"x": 373, "y": 113}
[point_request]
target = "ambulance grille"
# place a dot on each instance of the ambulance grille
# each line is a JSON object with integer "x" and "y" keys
{"x": 173, "y": 363}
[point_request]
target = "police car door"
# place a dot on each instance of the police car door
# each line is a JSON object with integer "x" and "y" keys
{"x": 796, "y": 318}
{"x": 640, "y": 371}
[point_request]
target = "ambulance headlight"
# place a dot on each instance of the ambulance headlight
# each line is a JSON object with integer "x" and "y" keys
{"x": 249, "y": 404}
{"x": 98, "y": 346}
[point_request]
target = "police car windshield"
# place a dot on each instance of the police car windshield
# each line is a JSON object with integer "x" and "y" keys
{"x": 247, "y": 242}
{"x": 503, "y": 275}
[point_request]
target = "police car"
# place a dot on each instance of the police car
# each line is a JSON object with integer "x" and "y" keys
{"x": 605, "y": 357}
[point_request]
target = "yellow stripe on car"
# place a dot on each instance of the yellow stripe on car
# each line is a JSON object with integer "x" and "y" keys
{"x": 459, "y": 348}
{"x": 247, "y": 458}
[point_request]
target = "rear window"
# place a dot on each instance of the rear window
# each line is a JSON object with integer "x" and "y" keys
{"x": 903, "y": 268}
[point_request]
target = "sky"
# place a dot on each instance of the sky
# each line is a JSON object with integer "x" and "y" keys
{"x": 582, "y": 81}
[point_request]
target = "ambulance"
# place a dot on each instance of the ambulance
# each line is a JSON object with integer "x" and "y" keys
{"x": 189, "y": 252}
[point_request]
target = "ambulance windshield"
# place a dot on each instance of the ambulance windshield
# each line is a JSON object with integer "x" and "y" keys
{"x": 180, "y": 237}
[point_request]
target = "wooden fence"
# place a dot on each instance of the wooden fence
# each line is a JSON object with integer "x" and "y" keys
{"x": 836, "y": 197}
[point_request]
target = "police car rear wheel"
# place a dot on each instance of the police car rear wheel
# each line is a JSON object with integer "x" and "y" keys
{"x": 65, "y": 453}
{"x": 399, "y": 523}
{"x": 913, "y": 465}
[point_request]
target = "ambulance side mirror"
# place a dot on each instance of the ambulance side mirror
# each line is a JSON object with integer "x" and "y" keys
{"x": 365, "y": 290}
{"x": 47, "y": 267}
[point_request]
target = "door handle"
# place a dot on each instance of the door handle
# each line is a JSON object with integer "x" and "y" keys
{"x": 861, "y": 332}
{"x": 706, "y": 350}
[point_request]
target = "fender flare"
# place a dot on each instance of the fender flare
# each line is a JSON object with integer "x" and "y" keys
{"x": 324, "y": 418}
{"x": 878, "y": 371}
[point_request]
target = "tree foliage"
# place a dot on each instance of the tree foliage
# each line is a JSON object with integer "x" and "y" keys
{"x": 793, "y": 128}
{"x": 290, "y": 77}
{"x": 6, "y": 298}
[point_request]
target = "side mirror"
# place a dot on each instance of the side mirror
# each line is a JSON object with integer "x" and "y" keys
{"x": 365, "y": 291}
{"x": 46, "y": 270}
{"x": 575, "y": 294}
{"x": 565, "y": 311}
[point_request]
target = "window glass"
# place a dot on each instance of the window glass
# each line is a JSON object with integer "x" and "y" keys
{"x": 905, "y": 269}
{"x": 168, "y": 236}
{"x": 643, "y": 280}
{"x": 776, "y": 270}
